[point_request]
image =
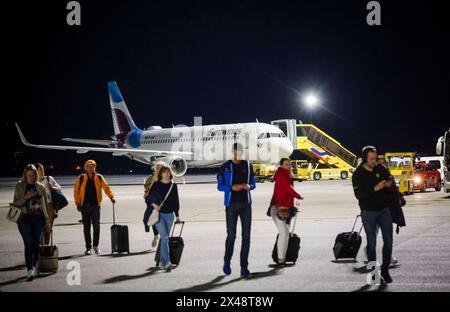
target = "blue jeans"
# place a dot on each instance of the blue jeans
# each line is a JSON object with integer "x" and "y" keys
{"x": 31, "y": 230}
{"x": 243, "y": 211}
{"x": 372, "y": 220}
{"x": 164, "y": 226}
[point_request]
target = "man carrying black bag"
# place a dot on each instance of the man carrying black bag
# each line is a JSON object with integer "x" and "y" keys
{"x": 370, "y": 184}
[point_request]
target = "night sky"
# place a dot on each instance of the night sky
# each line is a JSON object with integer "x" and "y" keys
{"x": 228, "y": 61}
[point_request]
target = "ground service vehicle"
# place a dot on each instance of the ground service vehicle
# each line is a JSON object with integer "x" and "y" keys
{"x": 426, "y": 176}
{"x": 263, "y": 172}
{"x": 301, "y": 170}
{"x": 437, "y": 161}
{"x": 401, "y": 166}
{"x": 304, "y": 170}
{"x": 443, "y": 148}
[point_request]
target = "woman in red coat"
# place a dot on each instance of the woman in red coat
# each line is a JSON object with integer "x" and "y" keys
{"x": 282, "y": 200}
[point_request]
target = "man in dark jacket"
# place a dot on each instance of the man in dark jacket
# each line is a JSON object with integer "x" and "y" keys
{"x": 370, "y": 184}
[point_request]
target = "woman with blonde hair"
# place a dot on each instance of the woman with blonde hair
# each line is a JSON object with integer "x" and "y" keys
{"x": 30, "y": 196}
{"x": 151, "y": 179}
{"x": 49, "y": 183}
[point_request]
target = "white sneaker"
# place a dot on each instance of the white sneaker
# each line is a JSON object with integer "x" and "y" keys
{"x": 96, "y": 250}
{"x": 30, "y": 275}
{"x": 155, "y": 240}
{"x": 35, "y": 272}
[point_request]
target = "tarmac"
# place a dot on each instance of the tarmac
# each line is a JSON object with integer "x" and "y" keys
{"x": 422, "y": 247}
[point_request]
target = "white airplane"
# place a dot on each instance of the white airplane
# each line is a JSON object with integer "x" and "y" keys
{"x": 163, "y": 144}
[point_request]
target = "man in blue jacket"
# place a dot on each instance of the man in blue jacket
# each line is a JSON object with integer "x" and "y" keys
{"x": 236, "y": 180}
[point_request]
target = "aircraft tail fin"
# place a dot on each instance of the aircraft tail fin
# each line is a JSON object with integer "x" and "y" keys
{"x": 122, "y": 120}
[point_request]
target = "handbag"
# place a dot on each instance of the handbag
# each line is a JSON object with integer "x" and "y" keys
{"x": 154, "y": 217}
{"x": 15, "y": 214}
{"x": 59, "y": 201}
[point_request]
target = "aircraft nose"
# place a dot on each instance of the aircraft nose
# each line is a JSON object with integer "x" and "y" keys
{"x": 286, "y": 148}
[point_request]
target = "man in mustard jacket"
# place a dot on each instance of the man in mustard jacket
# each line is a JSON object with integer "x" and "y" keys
{"x": 88, "y": 198}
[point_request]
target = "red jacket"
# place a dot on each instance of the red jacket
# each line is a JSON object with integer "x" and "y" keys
{"x": 283, "y": 192}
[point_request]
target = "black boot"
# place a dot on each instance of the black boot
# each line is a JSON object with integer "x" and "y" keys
{"x": 386, "y": 276}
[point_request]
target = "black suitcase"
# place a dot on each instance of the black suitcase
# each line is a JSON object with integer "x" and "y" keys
{"x": 119, "y": 237}
{"x": 176, "y": 246}
{"x": 293, "y": 246}
{"x": 347, "y": 244}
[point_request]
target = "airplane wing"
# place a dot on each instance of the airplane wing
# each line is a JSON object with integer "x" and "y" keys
{"x": 85, "y": 149}
{"x": 91, "y": 141}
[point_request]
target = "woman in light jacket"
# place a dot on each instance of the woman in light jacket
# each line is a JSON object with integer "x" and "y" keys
{"x": 49, "y": 183}
{"x": 30, "y": 195}
{"x": 282, "y": 200}
{"x": 151, "y": 179}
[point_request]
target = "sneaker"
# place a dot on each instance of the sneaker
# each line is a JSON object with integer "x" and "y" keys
{"x": 155, "y": 241}
{"x": 245, "y": 273}
{"x": 96, "y": 250}
{"x": 227, "y": 268}
{"x": 30, "y": 275}
{"x": 88, "y": 251}
{"x": 386, "y": 276}
{"x": 280, "y": 265}
{"x": 166, "y": 266}
{"x": 169, "y": 267}
{"x": 35, "y": 272}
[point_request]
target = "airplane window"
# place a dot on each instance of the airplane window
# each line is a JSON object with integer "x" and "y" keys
{"x": 263, "y": 136}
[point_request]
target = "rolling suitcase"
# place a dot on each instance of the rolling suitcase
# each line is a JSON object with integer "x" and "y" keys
{"x": 48, "y": 257}
{"x": 176, "y": 246}
{"x": 119, "y": 237}
{"x": 347, "y": 244}
{"x": 293, "y": 246}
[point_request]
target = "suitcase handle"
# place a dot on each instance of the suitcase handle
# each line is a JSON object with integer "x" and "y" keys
{"x": 295, "y": 220}
{"x": 51, "y": 238}
{"x": 173, "y": 228}
{"x": 114, "y": 214}
{"x": 354, "y": 224}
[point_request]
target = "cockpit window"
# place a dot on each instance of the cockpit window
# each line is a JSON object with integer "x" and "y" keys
{"x": 267, "y": 135}
{"x": 263, "y": 135}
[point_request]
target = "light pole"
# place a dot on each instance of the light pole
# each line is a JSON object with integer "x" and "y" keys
{"x": 311, "y": 100}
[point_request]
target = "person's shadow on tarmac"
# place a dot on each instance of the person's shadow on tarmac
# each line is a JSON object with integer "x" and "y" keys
{"x": 216, "y": 282}
{"x": 123, "y": 278}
